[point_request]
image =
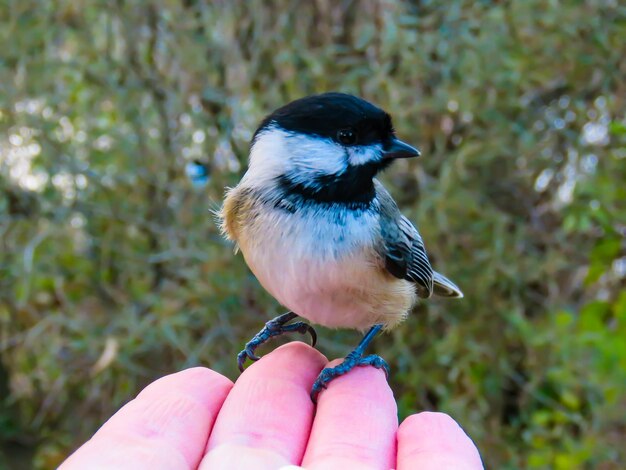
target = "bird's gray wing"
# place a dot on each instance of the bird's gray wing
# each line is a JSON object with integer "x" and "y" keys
{"x": 402, "y": 248}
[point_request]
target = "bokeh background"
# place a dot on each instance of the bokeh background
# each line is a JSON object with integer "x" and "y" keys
{"x": 112, "y": 270}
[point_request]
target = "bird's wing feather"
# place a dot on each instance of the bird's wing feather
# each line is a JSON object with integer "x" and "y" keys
{"x": 403, "y": 249}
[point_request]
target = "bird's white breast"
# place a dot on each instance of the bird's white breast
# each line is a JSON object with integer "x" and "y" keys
{"x": 322, "y": 263}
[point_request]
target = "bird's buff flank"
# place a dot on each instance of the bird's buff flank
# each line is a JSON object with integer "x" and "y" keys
{"x": 320, "y": 233}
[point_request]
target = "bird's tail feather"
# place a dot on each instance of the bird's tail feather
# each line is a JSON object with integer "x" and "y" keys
{"x": 444, "y": 287}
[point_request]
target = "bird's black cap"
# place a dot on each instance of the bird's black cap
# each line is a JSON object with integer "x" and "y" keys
{"x": 327, "y": 114}
{"x": 347, "y": 120}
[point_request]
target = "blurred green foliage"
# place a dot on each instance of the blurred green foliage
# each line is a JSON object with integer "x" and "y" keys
{"x": 112, "y": 271}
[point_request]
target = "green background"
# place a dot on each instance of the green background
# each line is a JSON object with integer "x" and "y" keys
{"x": 112, "y": 270}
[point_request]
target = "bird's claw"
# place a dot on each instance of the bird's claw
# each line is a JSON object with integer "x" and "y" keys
{"x": 299, "y": 327}
{"x": 351, "y": 361}
{"x": 306, "y": 328}
{"x": 377, "y": 362}
{"x": 273, "y": 328}
{"x": 247, "y": 353}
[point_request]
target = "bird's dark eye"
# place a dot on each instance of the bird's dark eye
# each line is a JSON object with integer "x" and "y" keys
{"x": 346, "y": 136}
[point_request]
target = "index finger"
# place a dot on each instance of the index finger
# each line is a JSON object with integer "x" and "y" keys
{"x": 166, "y": 426}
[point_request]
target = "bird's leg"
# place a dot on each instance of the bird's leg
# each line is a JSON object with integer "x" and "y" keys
{"x": 355, "y": 358}
{"x": 273, "y": 328}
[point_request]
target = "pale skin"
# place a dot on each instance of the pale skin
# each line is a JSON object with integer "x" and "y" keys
{"x": 199, "y": 419}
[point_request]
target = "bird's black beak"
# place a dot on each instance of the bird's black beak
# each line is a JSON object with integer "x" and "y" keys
{"x": 398, "y": 149}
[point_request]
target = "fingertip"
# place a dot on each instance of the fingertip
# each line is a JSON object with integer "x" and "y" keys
{"x": 166, "y": 426}
{"x": 366, "y": 381}
{"x": 298, "y": 351}
{"x": 440, "y": 428}
{"x": 295, "y": 355}
{"x": 434, "y": 420}
{"x": 195, "y": 381}
{"x": 432, "y": 440}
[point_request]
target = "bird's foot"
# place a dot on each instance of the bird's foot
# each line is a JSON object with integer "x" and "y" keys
{"x": 273, "y": 328}
{"x": 352, "y": 360}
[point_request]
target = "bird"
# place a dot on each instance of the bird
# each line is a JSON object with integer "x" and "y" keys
{"x": 321, "y": 233}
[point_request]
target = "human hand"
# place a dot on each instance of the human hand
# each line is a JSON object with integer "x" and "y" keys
{"x": 197, "y": 419}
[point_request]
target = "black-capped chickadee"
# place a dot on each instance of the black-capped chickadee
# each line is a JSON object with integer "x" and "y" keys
{"x": 320, "y": 233}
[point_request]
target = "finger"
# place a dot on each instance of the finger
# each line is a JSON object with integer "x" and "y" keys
{"x": 166, "y": 426}
{"x": 434, "y": 441}
{"x": 266, "y": 418}
{"x": 355, "y": 424}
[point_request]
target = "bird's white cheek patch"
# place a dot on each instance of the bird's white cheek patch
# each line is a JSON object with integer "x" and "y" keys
{"x": 278, "y": 152}
{"x": 312, "y": 156}
{"x": 361, "y": 155}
